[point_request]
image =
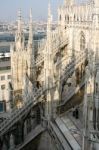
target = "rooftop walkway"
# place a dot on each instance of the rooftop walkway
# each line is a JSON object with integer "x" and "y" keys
{"x": 66, "y": 127}
{"x": 60, "y": 136}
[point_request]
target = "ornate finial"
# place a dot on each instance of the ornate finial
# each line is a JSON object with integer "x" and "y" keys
{"x": 19, "y": 14}
{"x": 19, "y": 21}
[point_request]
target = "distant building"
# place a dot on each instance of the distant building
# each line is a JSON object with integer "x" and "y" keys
{"x": 5, "y": 79}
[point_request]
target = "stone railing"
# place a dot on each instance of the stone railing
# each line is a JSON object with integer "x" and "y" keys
{"x": 17, "y": 114}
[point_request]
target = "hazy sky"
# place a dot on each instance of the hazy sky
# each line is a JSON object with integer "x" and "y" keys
{"x": 9, "y": 8}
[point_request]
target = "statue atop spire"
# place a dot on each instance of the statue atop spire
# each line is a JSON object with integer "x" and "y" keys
{"x": 69, "y": 2}
{"x": 30, "y": 41}
{"x": 19, "y": 38}
{"x": 49, "y": 14}
{"x": 49, "y": 10}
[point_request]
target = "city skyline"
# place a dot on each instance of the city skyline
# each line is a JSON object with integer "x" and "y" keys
{"x": 9, "y": 9}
